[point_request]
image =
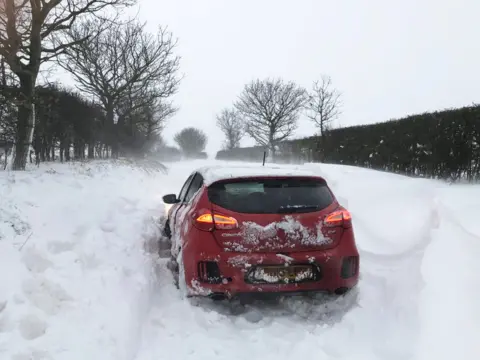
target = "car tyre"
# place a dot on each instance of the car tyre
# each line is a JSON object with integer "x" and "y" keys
{"x": 166, "y": 231}
{"x": 181, "y": 283}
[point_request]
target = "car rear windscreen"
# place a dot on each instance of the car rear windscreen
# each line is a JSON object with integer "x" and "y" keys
{"x": 271, "y": 195}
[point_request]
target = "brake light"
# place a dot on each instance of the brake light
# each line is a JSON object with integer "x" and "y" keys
{"x": 340, "y": 217}
{"x": 217, "y": 221}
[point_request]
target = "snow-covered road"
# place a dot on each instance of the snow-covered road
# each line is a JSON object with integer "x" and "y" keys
{"x": 77, "y": 283}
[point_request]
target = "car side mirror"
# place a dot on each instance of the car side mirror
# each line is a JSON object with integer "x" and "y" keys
{"x": 170, "y": 199}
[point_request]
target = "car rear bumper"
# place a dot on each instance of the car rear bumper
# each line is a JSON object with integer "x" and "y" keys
{"x": 211, "y": 271}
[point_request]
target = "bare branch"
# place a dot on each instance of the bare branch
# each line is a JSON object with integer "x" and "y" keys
{"x": 122, "y": 60}
{"x": 64, "y": 17}
{"x": 28, "y": 28}
{"x": 125, "y": 68}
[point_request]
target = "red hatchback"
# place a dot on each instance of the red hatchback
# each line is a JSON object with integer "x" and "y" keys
{"x": 238, "y": 231}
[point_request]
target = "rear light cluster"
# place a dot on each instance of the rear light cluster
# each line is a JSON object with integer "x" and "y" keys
{"x": 209, "y": 221}
{"x": 340, "y": 217}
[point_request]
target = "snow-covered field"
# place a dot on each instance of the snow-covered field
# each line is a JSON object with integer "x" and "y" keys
{"x": 79, "y": 278}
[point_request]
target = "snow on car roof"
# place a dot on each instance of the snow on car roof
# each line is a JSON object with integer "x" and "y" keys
{"x": 213, "y": 174}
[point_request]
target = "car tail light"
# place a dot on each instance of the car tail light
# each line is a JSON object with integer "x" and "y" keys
{"x": 209, "y": 221}
{"x": 340, "y": 217}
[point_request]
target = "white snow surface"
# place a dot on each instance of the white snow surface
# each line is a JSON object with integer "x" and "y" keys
{"x": 80, "y": 278}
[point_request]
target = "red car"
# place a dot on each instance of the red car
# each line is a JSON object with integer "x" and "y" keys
{"x": 238, "y": 231}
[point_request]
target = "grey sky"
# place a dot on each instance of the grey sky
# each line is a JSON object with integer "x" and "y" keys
{"x": 388, "y": 58}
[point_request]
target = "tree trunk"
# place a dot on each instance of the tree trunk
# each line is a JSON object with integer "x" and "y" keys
{"x": 98, "y": 150}
{"x": 67, "y": 152}
{"x": 25, "y": 122}
{"x": 114, "y": 132}
{"x": 272, "y": 151}
{"x": 91, "y": 151}
{"x": 76, "y": 149}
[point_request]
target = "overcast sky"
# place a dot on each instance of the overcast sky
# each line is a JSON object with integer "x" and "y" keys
{"x": 388, "y": 58}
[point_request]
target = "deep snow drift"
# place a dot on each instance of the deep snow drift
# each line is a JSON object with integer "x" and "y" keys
{"x": 80, "y": 279}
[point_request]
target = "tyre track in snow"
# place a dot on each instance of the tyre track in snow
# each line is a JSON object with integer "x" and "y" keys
{"x": 383, "y": 325}
{"x": 450, "y": 318}
{"x": 396, "y": 271}
{"x": 394, "y": 281}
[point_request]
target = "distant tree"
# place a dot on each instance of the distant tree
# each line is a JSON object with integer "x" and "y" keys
{"x": 323, "y": 103}
{"x": 271, "y": 109}
{"x": 31, "y": 33}
{"x": 129, "y": 71}
{"x": 232, "y": 126}
{"x": 191, "y": 140}
{"x": 323, "y": 107}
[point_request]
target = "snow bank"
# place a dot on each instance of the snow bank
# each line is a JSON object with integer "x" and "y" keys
{"x": 77, "y": 283}
{"x": 74, "y": 280}
{"x": 425, "y": 236}
{"x": 449, "y": 306}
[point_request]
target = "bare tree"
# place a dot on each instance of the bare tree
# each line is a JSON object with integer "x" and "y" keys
{"x": 323, "y": 108}
{"x": 271, "y": 109}
{"x": 232, "y": 126}
{"x": 30, "y": 35}
{"x": 191, "y": 140}
{"x": 323, "y": 104}
{"x": 124, "y": 68}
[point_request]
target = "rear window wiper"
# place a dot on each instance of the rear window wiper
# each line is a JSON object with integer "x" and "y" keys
{"x": 297, "y": 208}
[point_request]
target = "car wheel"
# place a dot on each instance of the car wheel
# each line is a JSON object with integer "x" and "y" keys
{"x": 164, "y": 241}
{"x": 181, "y": 283}
{"x": 166, "y": 232}
{"x": 342, "y": 302}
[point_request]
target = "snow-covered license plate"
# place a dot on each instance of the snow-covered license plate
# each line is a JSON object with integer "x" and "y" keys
{"x": 276, "y": 274}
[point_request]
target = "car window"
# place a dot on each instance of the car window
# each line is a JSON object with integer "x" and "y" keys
{"x": 197, "y": 183}
{"x": 244, "y": 188}
{"x": 271, "y": 195}
{"x": 183, "y": 192}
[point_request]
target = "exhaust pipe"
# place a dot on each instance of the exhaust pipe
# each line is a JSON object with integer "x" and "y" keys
{"x": 341, "y": 290}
